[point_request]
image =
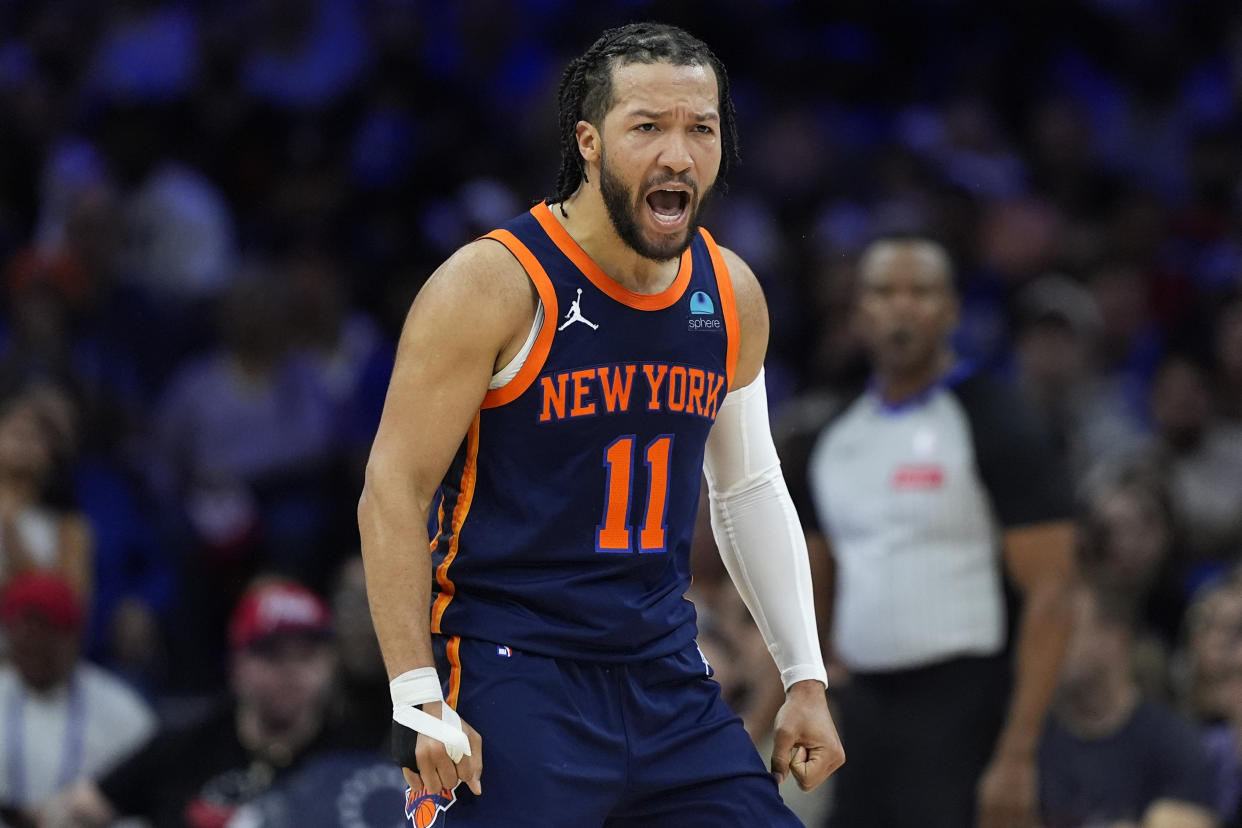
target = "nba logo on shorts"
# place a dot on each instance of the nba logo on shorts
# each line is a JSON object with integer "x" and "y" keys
{"x": 423, "y": 809}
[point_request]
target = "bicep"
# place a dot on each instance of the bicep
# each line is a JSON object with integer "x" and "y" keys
{"x": 752, "y": 316}
{"x": 454, "y": 332}
{"x": 1039, "y": 553}
{"x": 1026, "y": 478}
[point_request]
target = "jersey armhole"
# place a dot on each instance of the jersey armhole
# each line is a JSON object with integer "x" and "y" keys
{"x": 505, "y": 375}
{"x": 728, "y": 306}
{"x": 534, "y": 361}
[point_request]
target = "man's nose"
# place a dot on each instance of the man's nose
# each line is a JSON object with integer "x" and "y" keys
{"x": 675, "y": 153}
{"x": 901, "y": 302}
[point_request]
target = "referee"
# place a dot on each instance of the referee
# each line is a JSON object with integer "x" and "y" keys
{"x": 946, "y": 516}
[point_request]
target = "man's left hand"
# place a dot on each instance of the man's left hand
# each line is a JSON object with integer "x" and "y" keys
{"x": 806, "y": 740}
{"x": 1008, "y": 794}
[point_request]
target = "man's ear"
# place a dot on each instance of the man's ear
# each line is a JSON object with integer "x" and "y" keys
{"x": 590, "y": 146}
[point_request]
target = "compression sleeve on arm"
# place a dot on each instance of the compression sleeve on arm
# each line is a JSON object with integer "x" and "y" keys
{"x": 757, "y": 530}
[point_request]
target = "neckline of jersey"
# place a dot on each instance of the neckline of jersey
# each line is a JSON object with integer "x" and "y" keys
{"x": 595, "y": 274}
{"x": 959, "y": 371}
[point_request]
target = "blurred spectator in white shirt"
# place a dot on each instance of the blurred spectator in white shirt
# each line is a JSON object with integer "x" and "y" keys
{"x": 64, "y": 719}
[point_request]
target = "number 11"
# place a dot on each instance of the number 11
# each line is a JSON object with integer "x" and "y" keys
{"x": 615, "y": 533}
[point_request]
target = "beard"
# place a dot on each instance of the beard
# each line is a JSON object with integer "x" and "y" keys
{"x": 624, "y": 207}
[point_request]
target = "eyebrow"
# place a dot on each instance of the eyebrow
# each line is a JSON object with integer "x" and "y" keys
{"x": 652, "y": 115}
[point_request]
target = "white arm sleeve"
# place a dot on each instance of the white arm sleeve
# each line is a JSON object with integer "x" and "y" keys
{"x": 757, "y": 531}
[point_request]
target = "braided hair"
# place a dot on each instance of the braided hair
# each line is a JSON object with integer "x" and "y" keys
{"x": 585, "y": 92}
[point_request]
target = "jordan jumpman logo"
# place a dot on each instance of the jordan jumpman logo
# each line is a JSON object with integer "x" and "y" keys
{"x": 575, "y": 315}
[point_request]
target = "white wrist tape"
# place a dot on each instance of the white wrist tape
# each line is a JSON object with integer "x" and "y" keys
{"x": 422, "y": 686}
{"x": 758, "y": 533}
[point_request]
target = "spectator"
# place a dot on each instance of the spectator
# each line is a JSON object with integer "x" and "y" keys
{"x": 306, "y": 54}
{"x": 243, "y": 435}
{"x": 1207, "y": 668}
{"x": 362, "y": 702}
{"x": 37, "y": 531}
{"x": 1201, "y": 457}
{"x": 1228, "y": 353}
{"x": 74, "y": 320}
{"x": 1109, "y": 756}
{"x": 275, "y": 718}
{"x": 179, "y": 234}
{"x": 65, "y": 719}
{"x": 1129, "y": 548}
{"x": 353, "y": 788}
{"x": 344, "y": 347}
{"x": 740, "y": 661}
{"x": 1224, "y": 739}
{"x": 147, "y": 51}
{"x": 1128, "y": 342}
{"x": 1054, "y": 332}
{"x": 131, "y": 579}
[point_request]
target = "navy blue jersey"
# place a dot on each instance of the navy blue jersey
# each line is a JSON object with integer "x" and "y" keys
{"x": 563, "y": 525}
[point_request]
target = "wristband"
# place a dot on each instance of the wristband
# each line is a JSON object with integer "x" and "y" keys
{"x": 422, "y": 686}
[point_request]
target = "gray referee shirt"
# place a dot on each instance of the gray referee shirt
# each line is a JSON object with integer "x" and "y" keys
{"x": 913, "y": 499}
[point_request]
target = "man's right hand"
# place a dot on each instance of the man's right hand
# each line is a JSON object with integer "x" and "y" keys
{"x": 425, "y": 762}
{"x": 81, "y": 804}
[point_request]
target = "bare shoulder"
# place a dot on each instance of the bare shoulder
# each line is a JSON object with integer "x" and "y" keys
{"x": 752, "y": 316}
{"x": 479, "y": 291}
{"x": 484, "y": 271}
{"x": 746, "y": 289}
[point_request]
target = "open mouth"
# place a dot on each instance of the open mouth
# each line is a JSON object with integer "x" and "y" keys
{"x": 668, "y": 206}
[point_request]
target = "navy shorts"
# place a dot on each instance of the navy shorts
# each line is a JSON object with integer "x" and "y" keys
{"x": 570, "y": 744}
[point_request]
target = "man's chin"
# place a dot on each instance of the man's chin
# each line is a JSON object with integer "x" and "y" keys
{"x": 281, "y": 720}
{"x": 667, "y": 252}
{"x": 663, "y": 247}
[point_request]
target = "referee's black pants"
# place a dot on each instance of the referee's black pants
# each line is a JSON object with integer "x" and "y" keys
{"x": 916, "y": 743}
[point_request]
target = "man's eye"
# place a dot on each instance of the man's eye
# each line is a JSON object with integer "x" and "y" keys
{"x": 645, "y": 127}
{"x": 704, "y": 129}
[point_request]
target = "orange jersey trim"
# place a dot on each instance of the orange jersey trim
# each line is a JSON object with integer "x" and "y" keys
{"x": 453, "y": 651}
{"x": 728, "y": 305}
{"x": 468, "y": 476}
{"x": 639, "y": 301}
{"x": 514, "y": 388}
{"x": 435, "y": 540}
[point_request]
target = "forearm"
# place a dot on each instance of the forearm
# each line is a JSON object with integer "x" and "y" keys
{"x": 759, "y": 536}
{"x": 824, "y": 586}
{"x": 392, "y": 523}
{"x": 80, "y": 805}
{"x": 76, "y": 556}
{"x": 397, "y": 563}
{"x": 1042, "y": 638}
{"x": 1170, "y": 813}
{"x": 763, "y": 549}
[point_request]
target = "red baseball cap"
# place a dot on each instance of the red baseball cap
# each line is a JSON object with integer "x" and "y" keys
{"x": 274, "y": 608}
{"x": 46, "y": 594}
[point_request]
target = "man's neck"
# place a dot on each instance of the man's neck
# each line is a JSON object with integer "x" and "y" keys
{"x": 896, "y": 387}
{"x": 276, "y": 743}
{"x": 589, "y": 224}
{"x": 17, "y": 493}
{"x": 1101, "y": 710}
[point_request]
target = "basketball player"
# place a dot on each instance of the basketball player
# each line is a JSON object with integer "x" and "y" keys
{"x": 552, "y": 450}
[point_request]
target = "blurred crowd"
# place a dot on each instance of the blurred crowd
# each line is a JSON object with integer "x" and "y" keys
{"x": 214, "y": 215}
